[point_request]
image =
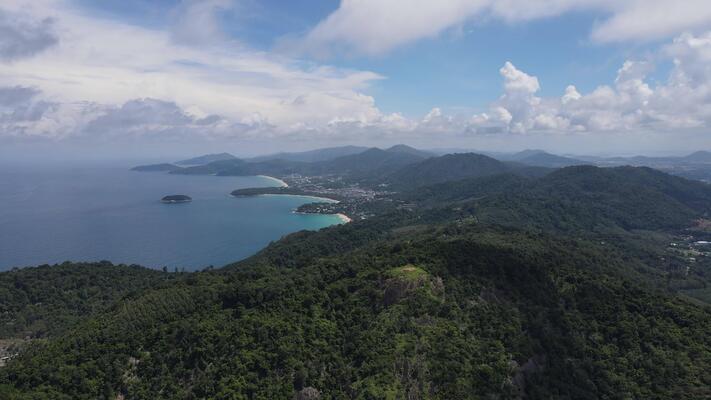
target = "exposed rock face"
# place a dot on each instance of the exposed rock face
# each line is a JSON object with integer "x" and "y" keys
{"x": 408, "y": 279}
{"x": 308, "y": 393}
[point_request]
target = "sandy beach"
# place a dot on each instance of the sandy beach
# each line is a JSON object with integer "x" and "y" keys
{"x": 344, "y": 218}
{"x": 279, "y": 181}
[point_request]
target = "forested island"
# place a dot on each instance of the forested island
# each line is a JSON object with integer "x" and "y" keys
{"x": 473, "y": 280}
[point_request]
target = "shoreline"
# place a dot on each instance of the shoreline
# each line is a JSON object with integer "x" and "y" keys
{"x": 324, "y": 199}
{"x": 344, "y": 218}
{"x": 277, "y": 180}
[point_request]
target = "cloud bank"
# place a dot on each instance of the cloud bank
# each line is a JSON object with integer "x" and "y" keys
{"x": 67, "y": 84}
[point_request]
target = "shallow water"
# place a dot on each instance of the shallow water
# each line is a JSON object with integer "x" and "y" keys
{"x": 51, "y": 214}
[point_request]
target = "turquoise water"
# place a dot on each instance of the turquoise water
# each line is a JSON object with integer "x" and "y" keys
{"x": 53, "y": 214}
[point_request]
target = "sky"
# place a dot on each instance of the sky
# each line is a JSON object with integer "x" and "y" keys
{"x": 131, "y": 78}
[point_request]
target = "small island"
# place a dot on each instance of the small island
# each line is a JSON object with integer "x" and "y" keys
{"x": 176, "y": 198}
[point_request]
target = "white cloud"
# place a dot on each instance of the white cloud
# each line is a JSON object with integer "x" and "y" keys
{"x": 630, "y": 105}
{"x": 375, "y": 27}
{"x": 571, "y": 94}
{"x": 108, "y": 64}
{"x": 516, "y": 81}
{"x": 104, "y": 80}
{"x": 644, "y": 20}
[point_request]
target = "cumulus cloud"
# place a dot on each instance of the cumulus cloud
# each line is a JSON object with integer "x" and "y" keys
{"x": 23, "y": 36}
{"x": 630, "y": 104}
{"x": 150, "y": 85}
{"x": 140, "y": 63}
{"x": 375, "y": 27}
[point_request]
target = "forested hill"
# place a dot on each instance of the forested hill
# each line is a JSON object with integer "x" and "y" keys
{"x": 449, "y": 167}
{"x": 371, "y": 163}
{"x": 448, "y": 312}
{"x": 498, "y": 286}
{"x": 582, "y": 198}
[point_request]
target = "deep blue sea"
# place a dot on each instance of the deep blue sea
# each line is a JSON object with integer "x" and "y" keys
{"x": 50, "y": 214}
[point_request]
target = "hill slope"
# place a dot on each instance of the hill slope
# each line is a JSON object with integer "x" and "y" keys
{"x": 206, "y": 159}
{"x": 543, "y": 159}
{"x": 371, "y": 163}
{"x": 316, "y": 155}
{"x": 449, "y": 167}
{"x": 453, "y": 312}
{"x": 580, "y": 198}
{"x": 441, "y": 302}
{"x": 165, "y": 167}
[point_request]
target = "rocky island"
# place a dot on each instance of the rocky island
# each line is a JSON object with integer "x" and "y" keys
{"x": 176, "y": 198}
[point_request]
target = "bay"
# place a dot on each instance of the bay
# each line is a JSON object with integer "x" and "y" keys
{"x": 55, "y": 213}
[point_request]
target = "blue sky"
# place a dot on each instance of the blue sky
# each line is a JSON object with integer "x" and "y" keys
{"x": 607, "y": 76}
{"x": 454, "y": 70}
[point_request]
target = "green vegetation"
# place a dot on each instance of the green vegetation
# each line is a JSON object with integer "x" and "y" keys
{"x": 206, "y": 159}
{"x": 516, "y": 312}
{"x": 450, "y": 167}
{"x": 156, "y": 168}
{"x": 408, "y": 272}
{"x": 507, "y": 286}
{"x": 45, "y": 301}
{"x": 176, "y": 198}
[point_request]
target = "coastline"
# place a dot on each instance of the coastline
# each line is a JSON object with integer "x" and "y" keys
{"x": 346, "y": 219}
{"x": 277, "y": 180}
{"x": 343, "y": 217}
{"x": 321, "y": 199}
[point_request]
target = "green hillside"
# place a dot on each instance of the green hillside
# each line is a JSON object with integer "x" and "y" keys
{"x": 499, "y": 286}
{"x": 453, "y": 312}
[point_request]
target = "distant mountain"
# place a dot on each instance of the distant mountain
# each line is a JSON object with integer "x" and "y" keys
{"x": 449, "y": 167}
{"x": 696, "y": 165}
{"x": 373, "y": 160}
{"x": 402, "y": 148}
{"x": 699, "y": 157}
{"x": 213, "y": 168}
{"x": 371, "y": 163}
{"x": 543, "y": 159}
{"x": 522, "y": 154}
{"x": 165, "y": 167}
{"x": 324, "y": 154}
{"x": 206, "y": 159}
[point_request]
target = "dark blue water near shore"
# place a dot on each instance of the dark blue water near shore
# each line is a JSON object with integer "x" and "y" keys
{"x": 50, "y": 214}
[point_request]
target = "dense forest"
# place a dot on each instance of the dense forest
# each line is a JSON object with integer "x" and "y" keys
{"x": 505, "y": 286}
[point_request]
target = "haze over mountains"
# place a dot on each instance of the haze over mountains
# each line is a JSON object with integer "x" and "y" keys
{"x": 356, "y": 160}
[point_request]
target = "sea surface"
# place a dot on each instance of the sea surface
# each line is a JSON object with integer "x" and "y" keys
{"x": 54, "y": 213}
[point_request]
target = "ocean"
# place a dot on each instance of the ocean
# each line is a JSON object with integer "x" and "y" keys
{"x": 55, "y": 213}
